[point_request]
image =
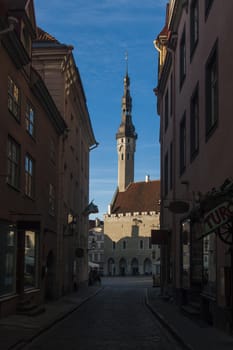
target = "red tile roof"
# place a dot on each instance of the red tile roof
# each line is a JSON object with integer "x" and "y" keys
{"x": 138, "y": 197}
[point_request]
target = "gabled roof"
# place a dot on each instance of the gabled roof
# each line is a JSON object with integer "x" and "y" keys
{"x": 138, "y": 197}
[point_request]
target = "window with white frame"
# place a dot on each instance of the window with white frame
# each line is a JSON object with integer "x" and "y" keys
{"x": 13, "y": 163}
{"x": 13, "y": 99}
{"x": 30, "y": 119}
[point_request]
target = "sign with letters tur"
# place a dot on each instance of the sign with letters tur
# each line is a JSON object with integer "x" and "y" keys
{"x": 217, "y": 217}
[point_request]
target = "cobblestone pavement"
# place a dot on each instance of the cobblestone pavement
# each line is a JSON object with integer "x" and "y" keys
{"x": 17, "y": 330}
{"x": 117, "y": 319}
{"x": 123, "y": 313}
{"x": 194, "y": 334}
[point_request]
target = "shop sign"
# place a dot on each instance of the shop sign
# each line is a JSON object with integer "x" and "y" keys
{"x": 217, "y": 217}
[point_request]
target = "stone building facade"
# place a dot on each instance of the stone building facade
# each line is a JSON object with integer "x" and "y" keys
{"x": 194, "y": 104}
{"x": 134, "y": 210}
{"x": 127, "y": 244}
{"x": 55, "y": 63}
{"x": 96, "y": 245}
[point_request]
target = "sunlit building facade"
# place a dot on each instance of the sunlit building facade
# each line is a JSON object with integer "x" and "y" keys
{"x": 134, "y": 210}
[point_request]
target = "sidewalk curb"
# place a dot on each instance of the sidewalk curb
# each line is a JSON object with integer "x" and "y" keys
{"x": 24, "y": 342}
{"x": 174, "y": 332}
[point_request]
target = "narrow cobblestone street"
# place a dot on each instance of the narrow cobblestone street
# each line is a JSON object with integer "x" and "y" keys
{"x": 116, "y": 318}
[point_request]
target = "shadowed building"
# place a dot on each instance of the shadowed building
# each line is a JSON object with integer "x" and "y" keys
{"x": 55, "y": 63}
{"x": 31, "y": 128}
{"x": 45, "y": 139}
{"x": 194, "y": 95}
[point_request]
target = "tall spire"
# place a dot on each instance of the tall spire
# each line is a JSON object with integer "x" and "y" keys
{"x": 126, "y": 138}
{"x": 126, "y": 128}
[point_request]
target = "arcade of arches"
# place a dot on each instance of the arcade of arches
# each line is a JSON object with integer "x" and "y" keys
{"x": 132, "y": 266}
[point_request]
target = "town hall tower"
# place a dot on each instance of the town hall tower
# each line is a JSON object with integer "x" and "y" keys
{"x": 126, "y": 140}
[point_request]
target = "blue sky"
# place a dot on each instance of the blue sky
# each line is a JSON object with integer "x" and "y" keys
{"x": 101, "y": 31}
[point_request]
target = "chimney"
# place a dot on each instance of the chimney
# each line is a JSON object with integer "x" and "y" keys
{"x": 147, "y": 179}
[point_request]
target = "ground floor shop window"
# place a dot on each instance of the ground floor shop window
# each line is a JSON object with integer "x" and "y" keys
{"x": 209, "y": 264}
{"x": 7, "y": 259}
{"x": 30, "y": 259}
